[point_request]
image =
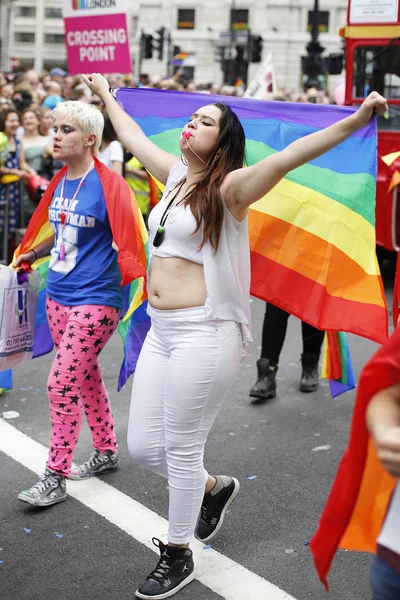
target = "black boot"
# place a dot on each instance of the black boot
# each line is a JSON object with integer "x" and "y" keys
{"x": 309, "y": 376}
{"x": 175, "y": 569}
{"x": 265, "y": 386}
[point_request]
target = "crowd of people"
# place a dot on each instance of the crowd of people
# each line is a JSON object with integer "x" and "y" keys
{"x": 198, "y": 289}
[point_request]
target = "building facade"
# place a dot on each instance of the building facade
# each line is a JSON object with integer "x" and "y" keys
{"x": 203, "y": 30}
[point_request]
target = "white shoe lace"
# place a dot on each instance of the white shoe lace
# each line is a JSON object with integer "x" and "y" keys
{"x": 44, "y": 484}
{"x": 95, "y": 459}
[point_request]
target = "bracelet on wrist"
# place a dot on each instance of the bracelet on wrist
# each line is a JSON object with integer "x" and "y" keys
{"x": 36, "y": 257}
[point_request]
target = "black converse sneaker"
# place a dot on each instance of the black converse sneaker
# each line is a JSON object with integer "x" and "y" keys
{"x": 98, "y": 464}
{"x": 50, "y": 489}
{"x": 175, "y": 569}
{"x": 214, "y": 507}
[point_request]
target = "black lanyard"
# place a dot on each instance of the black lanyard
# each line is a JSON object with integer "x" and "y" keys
{"x": 160, "y": 233}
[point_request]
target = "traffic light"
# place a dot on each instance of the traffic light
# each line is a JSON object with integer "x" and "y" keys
{"x": 158, "y": 42}
{"x": 256, "y": 50}
{"x": 221, "y": 55}
{"x": 147, "y": 41}
{"x": 335, "y": 63}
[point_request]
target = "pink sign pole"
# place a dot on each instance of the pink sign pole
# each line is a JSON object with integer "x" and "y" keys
{"x": 97, "y": 44}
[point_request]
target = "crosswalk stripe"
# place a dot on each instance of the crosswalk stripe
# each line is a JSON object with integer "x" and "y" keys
{"x": 219, "y": 573}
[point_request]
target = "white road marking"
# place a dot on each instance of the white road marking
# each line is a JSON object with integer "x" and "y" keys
{"x": 214, "y": 570}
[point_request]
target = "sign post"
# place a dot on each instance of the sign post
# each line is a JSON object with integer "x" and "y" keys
{"x": 96, "y": 36}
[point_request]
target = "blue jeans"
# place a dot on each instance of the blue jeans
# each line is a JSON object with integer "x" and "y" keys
{"x": 385, "y": 581}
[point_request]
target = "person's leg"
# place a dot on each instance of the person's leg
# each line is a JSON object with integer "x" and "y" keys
{"x": 312, "y": 343}
{"x": 204, "y": 357}
{"x": 79, "y": 333}
{"x": 94, "y": 396}
{"x": 146, "y": 439}
{"x": 385, "y": 581}
{"x": 201, "y": 370}
{"x": 273, "y": 337}
{"x": 51, "y": 487}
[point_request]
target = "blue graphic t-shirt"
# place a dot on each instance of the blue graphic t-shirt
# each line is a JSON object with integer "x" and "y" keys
{"x": 90, "y": 273}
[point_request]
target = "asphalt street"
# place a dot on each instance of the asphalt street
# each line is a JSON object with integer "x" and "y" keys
{"x": 71, "y": 551}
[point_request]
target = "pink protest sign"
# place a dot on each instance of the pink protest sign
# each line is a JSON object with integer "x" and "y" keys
{"x": 97, "y": 43}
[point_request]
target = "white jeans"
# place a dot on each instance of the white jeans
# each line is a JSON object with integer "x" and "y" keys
{"x": 185, "y": 369}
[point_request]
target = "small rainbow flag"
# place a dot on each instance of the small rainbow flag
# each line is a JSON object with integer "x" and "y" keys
{"x": 312, "y": 238}
{"x": 178, "y": 59}
{"x": 336, "y": 363}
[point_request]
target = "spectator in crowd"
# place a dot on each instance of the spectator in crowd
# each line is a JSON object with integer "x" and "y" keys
{"x": 53, "y": 95}
{"x": 58, "y": 75}
{"x": 35, "y": 146}
{"x": 46, "y": 122}
{"x": 6, "y": 93}
{"x": 111, "y": 152}
{"x": 11, "y": 172}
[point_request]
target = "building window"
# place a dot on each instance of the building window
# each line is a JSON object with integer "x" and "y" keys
{"x": 53, "y": 13}
{"x": 186, "y": 18}
{"x": 54, "y": 38}
{"x": 323, "y": 25}
{"x": 24, "y": 37}
{"x": 239, "y": 19}
{"x": 25, "y": 11}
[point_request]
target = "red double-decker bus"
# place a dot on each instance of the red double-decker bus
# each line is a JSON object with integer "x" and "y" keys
{"x": 372, "y": 45}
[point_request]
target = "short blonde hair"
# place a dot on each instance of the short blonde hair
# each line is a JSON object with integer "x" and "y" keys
{"x": 88, "y": 117}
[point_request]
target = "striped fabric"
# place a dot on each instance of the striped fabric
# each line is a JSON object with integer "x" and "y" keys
{"x": 312, "y": 237}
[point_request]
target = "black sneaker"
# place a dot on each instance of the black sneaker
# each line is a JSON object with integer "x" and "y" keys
{"x": 175, "y": 569}
{"x": 213, "y": 509}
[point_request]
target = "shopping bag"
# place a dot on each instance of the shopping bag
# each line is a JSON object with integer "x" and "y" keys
{"x": 18, "y": 301}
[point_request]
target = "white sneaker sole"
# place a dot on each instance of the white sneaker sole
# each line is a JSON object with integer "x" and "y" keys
{"x": 78, "y": 477}
{"x": 41, "y": 503}
{"x": 227, "y": 505}
{"x": 185, "y": 582}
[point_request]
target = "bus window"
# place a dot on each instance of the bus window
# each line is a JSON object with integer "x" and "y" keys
{"x": 391, "y": 121}
{"x": 377, "y": 68}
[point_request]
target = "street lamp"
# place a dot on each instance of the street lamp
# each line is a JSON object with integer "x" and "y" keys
{"x": 313, "y": 61}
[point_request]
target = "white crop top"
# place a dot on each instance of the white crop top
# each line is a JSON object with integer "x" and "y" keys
{"x": 226, "y": 272}
{"x": 179, "y": 240}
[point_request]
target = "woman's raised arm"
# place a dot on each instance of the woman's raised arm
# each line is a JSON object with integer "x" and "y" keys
{"x": 154, "y": 159}
{"x": 245, "y": 186}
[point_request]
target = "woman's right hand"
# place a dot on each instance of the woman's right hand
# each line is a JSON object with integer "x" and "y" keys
{"x": 28, "y": 257}
{"x": 96, "y": 83}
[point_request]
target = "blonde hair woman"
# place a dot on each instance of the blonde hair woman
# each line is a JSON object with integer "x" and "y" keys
{"x": 84, "y": 295}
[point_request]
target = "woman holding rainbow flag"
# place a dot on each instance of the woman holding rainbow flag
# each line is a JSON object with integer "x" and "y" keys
{"x": 199, "y": 284}
{"x": 85, "y": 208}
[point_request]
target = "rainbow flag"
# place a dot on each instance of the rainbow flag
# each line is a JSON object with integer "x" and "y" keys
{"x": 178, "y": 59}
{"x": 336, "y": 363}
{"x": 312, "y": 238}
{"x": 134, "y": 322}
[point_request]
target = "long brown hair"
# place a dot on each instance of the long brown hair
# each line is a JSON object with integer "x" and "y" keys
{"x": 204, "y": 199}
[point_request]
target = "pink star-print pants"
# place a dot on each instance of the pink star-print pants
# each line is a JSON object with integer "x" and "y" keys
{"x": 75, "y": 381}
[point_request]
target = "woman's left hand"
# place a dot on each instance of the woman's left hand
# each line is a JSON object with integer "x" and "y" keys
{"x": 372, "y": 103}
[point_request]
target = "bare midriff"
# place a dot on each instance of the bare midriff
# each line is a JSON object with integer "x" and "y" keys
{"x": 176, "y": 283}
